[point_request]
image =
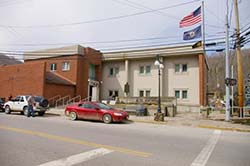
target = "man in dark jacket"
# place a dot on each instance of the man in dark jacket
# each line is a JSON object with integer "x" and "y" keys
{"x": 31, "y": 102}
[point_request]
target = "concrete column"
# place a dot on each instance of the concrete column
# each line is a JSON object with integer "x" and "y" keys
{"x": 201, "y": 78}
{"x": 127, "y": 73}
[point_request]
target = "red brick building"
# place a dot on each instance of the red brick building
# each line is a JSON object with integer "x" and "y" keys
{"x": 67, "y": 71}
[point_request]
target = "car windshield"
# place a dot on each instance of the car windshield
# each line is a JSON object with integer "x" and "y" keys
{"x": 103, "y": 106}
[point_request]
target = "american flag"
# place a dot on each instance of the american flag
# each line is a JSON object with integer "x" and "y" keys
{"x": 192, "y": 18}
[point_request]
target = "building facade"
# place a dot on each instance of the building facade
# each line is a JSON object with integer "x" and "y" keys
{"x": 68, "y": 71}
{"x": 183, "y": 76}
{"x": 80, "y": 71}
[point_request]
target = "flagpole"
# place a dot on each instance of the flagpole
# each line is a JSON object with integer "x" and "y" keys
{"x": 203, "y": 26}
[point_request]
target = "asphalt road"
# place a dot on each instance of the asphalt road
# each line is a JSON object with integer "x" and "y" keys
{"x": 55, "y": 140}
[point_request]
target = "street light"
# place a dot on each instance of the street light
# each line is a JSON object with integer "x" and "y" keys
{"x": 160, "y": 66}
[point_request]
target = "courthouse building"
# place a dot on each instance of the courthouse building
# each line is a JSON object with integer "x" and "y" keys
{"x": 83, "y": 71}
{"x": 184, "y": 74}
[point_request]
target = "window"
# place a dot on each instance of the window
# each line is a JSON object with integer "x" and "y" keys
{"x": 141, "y": 69}
{"x": 148, "y": 69}
{"x": 113, "y": 94}
{"x": 181, "y": 94}
{"x": 116, "y": 93}
{"x": 147, "y": 93}
{"x": 65, "y": 66}
{"x": 184, "y": 67}
{"x": 116, "y": 70}
{"x": 141, "y": 93}
{"x": 113, "y": 71}
{"x": 110, "y": 93}
{"x": 184, "y": 94}
{"x": 88, "y": 106}
{"x": 145, "y": 69}
{"x": 92, "y": 72}
{"x": 181, "y": 68}
{"x": 177, "y": 67}
{"x": 144, "y": 93}
{"x": 177, "y": 94}
{"x": 53, "y": 67}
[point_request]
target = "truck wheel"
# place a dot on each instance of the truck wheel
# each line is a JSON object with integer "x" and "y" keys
{"x": 7, "y": 109}
{"x": 25, "y": 111}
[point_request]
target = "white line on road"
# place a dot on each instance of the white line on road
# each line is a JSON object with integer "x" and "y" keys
{"x": 78, "y": 158}
{"x": 204, "y": 155}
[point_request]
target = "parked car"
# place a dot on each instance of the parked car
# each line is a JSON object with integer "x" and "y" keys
{"x": 20, "y": 104}
{"x": 95, "y": 111}
{"x": 1, "y": 104}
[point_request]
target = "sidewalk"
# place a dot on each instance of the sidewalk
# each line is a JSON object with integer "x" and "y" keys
{"x": 215, "y": 120}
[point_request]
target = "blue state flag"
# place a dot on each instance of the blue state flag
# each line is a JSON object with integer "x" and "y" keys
{"x": 192, "y": 34}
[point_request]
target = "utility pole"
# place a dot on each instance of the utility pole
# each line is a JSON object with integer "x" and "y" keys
{"x": 239, "y": 59}
{"x": 227, "y": 69}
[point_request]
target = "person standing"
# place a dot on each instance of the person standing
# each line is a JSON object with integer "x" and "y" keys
{"x": 31, "y": 102}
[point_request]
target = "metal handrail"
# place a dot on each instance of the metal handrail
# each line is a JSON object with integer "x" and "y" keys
{"x": 86, "y": 99}
{"x": 74, "y": 99}
{"x": 62, "y": 101}
{"x": 52, "y": 100}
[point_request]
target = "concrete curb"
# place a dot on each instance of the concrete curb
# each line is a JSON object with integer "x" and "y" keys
{"x": 165, "y": 123}
{"x": 150, "y": 122}
{"x": 223, "y": 128}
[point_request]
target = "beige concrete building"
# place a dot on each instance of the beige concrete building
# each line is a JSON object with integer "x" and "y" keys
{"x": 184, "y": 74}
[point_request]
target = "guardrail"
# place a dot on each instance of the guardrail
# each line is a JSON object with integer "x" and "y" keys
{"x": 234, "y": 110}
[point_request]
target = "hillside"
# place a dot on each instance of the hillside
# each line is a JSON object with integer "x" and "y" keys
{"x": 6, "y": 60}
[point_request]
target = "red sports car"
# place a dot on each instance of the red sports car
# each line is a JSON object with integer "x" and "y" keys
{"x": 95, "y": 111}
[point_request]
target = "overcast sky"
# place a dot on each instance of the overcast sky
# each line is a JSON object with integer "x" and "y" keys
{"x": 106, "y": 24}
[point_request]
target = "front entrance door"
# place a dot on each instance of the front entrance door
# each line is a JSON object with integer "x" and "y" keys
{"x": 93, "y": 90}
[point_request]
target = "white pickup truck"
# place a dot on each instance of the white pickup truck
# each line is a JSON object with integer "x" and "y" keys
{"x": 20, "y": 104}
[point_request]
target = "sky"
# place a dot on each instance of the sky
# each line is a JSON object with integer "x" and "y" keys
{"x": 108, "y": 25}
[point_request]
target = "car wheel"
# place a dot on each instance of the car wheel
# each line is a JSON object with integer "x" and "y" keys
{"x": 107, "y": 118}
{"x": 7, "y": 109}
{"x": 25, "y": 111}
{"x": 41, "y": 113}
{"x": 72, "y": 116}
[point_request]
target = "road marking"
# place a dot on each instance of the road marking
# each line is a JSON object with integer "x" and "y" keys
{"x": 204, "y": 155}
{"x": 76, "y": 141}
{"x": 78, "y": 158}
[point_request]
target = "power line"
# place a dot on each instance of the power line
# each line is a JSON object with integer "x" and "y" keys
{"x": 103, "y": 42}
{"x": 99, "y": 20}
{"x": 113, "y": 48}
{"x": 148, "y": 8}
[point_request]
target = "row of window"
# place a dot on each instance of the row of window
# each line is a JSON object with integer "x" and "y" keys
{"x": 65, "y": 66}
{"x": 115, "y": 93}
{"x": 113, "y": 71}
{"x": 179, "y": 94}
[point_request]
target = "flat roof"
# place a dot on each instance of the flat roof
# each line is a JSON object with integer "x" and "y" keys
{"x": 54, "y": 52}
{"x": 164, "y": 51}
